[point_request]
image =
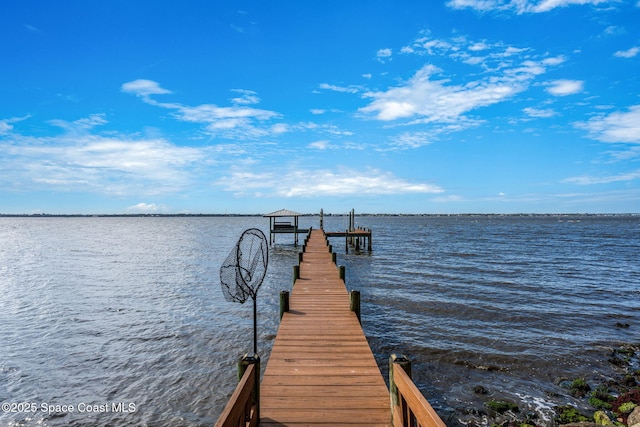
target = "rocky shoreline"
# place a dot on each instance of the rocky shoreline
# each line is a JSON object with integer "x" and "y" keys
{"x": 615, "y": 402}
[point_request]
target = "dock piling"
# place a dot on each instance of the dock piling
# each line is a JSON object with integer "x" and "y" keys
{"x": 404, "y": 362}
{"x": 284, "y": 303}
{"x": 243, "y": 364}
{"x": 354, "y": 304}
{"x": 296, "y": 273}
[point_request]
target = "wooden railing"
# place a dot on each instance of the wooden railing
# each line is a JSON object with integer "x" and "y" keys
{"x": 409, "y": 408}
{"x": 242, "y": 408}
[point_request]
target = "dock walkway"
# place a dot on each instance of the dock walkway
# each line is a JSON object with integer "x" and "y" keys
{"x": 321, "y": 370}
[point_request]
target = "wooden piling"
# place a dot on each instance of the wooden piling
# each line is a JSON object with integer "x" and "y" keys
{"x": 296, "y": 273}
{"x": 403, "y": 362}
{"x": 354, "y": 304}
{"x": 284, "y": 303}
{"x": 243, "y": 364}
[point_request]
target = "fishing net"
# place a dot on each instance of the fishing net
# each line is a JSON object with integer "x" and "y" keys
{"x": 244, "y": 269}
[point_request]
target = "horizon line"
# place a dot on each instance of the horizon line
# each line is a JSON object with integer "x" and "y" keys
{"x": 80, "y": 215}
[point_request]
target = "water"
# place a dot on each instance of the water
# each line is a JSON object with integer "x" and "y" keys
{"x": 123, "y": 321}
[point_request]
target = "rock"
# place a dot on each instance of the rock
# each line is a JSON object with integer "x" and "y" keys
{"x": 602, "y": 419}
{"x": 570, "y": 415}
{"x": 579, "y": 388}
{"x": 629, "y": 381}
{"x": 501, "y": 406}
{"x": 627, "y": 407}
{"x": 480, "y": 390}
{"x": 582, "y": 424}
{"x": 634, "y": 417}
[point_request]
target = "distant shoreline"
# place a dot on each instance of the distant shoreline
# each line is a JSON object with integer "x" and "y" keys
{"x": 183, "y": 215}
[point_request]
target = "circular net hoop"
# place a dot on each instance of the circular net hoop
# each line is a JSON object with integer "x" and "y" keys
{"x": 243, "y": 271}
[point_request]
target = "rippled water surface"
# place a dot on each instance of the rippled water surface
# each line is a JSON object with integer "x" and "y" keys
{"x": 124, "y": 319}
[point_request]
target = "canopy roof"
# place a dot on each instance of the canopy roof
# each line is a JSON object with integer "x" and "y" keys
{"x": 283, "y": 212}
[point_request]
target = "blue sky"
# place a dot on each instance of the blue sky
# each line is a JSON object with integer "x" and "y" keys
{"x": 443, "y": 106}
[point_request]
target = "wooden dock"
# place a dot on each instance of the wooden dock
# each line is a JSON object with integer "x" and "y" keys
{"x": 321, "y": 370}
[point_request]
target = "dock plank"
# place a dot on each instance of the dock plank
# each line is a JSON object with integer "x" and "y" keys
{"x": 321, "y": 370}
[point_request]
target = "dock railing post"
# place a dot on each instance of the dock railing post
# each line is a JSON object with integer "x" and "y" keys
{"x": 284, "y": 303}
{"x": 243, "y": 364}
{"x": 354, "y": 303}
{"x": 403, "y": 362}
{"x": 346, "y": 241}
{"x": 342, "y": 272}
{"x": 296, "y": 273}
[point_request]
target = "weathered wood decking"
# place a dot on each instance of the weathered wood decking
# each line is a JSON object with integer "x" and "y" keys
{"x": 321, "y": 371}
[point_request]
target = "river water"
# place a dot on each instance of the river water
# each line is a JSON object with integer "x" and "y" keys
{"x": 121, "y": 320}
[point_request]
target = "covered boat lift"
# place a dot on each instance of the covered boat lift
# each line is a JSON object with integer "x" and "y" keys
{"x": 277, "y": 226}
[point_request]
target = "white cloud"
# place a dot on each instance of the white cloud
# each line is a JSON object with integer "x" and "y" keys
{"x": 413, "y": 140}
{"x": 221, "y": 117}
{"x": 425, "y": 45}
{"x": 565, "y": 87}
{"x": 144, "y": 88}
{"x": 476, "y": 47}
{"x": 81, "y": 125}
{"x": 235, "y": 122}
{"x": 591, "y": 180}
{"x": 629, "y": 53}
{"x": 431, "y": 100}
{"x": 279, "y": 128}
{"x": 247, "y": 97}
{"x": 538, "y": 113}
{"x": 383, "y": 54}
{"x": 146, "y": 208}
{"x": 81, "y": 161}
{"x": 322, "y": 182}
{"x": 547, "y": 5}
{"x": 317, "y": 111}
{"x": 320, "y": 145}
{"x": 519, "y": 6}
{"x": 432, "y": 97}
{"x": 481, "y": 5}
{"x": 6, "y": 125}
{"x": 348, "y": 89}
{"x": 628, "y": 153}
{"x": 323, "y": 128}
{"x": 616, "y": 127}
{"x": 557, "y": 60}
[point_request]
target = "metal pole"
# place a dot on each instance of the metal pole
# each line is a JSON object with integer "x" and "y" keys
{"x": 255, "y": 326}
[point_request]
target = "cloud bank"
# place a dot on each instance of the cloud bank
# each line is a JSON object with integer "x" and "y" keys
{"x": 520, "y": 6}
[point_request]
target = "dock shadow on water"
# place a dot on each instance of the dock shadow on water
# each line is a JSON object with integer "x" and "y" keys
{"x": 126, "y": 314}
